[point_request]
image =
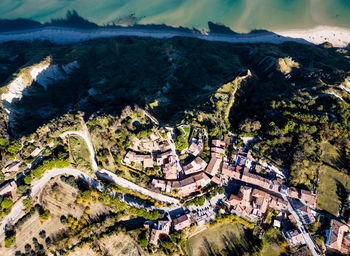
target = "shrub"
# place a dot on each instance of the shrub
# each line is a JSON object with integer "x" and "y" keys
{"x": 42, "y": 234}
{"x": 10, "y": 240}
{"x": 28, "y": 179}
{"x": 7, "y": 204}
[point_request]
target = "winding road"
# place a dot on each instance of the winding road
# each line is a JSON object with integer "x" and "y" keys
{"x": 18, "y": 207}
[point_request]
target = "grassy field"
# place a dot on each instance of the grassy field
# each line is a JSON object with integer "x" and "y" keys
{"x": 332, "y": 185}
{"x": 329, "y": 152}
{"x": 213, "y": 239}
{"x": 273, "y": 243}
{"x": 80, "y": 153}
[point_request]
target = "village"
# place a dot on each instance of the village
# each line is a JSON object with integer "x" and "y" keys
{"x": 254, "y": 191}
{"x": 212, "y": 177}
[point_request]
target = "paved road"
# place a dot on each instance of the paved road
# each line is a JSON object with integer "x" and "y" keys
{"x": 39, "y": 184}
{"x": 132, "y": 186}
{"x": 84, "y": 133}
{"x": 307, "y": 238}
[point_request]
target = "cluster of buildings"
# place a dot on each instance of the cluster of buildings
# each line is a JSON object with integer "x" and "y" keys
{"x": 198, "y": 172}
{"x": 255, "y": 202}
{"x": 239, "y": 169}
{"x": 163, "y": 226}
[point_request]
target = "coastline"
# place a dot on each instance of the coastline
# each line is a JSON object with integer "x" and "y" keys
{"x": 337, "y": 36}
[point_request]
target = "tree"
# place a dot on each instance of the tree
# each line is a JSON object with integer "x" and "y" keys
{"x": 143, "y": 242}
{"x": 21, "y": 189}
{"x": 42, "y": 234}
{"x": 10, "y": 240}
{"x": 28, "y": 179}
{"x": 27, "y": 202}
{"x": 7, "y": 204}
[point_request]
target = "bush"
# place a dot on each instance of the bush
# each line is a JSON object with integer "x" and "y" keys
{"x": 42, "y": 234}
{"x": 6, "y": 204}
{"x": 49, "y": 165}
{"x": 9, "y": 241}
{"x": 28, "y": 179}
{"x": 143, "y": 242}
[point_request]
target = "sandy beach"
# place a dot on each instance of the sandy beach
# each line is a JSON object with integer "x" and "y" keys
{"x": 339, "y": 37}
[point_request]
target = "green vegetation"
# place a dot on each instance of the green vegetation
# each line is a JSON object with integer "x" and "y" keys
{"x": 332, "y": 189}
{"x": 49, "y": 165}
{"x": 5, "y": 206}
{"x": 182, "y": 135}
{"x": 141, "y": 212}
{"x": 273, "y": 243}
{"x": 223, "y": 239}
{"x": 80, "y": 153}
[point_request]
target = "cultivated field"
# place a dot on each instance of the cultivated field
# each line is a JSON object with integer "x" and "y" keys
{"x": 59, "y": 201}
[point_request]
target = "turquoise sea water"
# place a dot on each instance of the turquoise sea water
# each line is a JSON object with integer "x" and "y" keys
{"x": 240, "y": 15}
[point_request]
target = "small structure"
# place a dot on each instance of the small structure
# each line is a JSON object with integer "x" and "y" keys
{"x": 12, "y": 168}
{"x": 338, "y": 237}
{"x": 35, "y": 151}
{"x": 182, "y": 222}
{"x": 294, "y": 236}
{"x": 306, "y": 215}
{"x": 162, "y": 227}
{"x": 197, "y": 165}
{"x": 196, "y": 147}
{"x": 135, "y": 157}
{"x": 184, "y": 187}
{"x": 8, "y": 188}
{"x": 308, "y": 198}
{"x": 217, "y": 154}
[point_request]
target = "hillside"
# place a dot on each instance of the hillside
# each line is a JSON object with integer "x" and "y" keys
{"x": 295, "y": 98}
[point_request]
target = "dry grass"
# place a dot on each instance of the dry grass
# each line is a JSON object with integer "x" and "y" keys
{"x": 59, "y": 202}
{"x": 115, "y": 245}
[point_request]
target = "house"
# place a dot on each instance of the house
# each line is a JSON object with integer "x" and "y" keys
{"x": 191, "y": 184}
{"x": 197, "y": 165}
{"x": 216, "y": 180}
{"x": 294, "y": 236}
{"x": 134, "y": 157}
{"x": 161, "y": 158}
{"x": 293, "y": 192}
{"x": 231, "y": 171}
{"x": 214, "y": 165}
{"x": 241, "y": 203}
{"x": 12, "y": 168}
{"x": 182, "y": 222}
{"x": 35, "y": 151}
{"x": 338, "y": 237}
{"x": 170, "y": 168}
{"x": 255, "y": 179}
{"x": 305, "y": 214}
{"x": 8, "y": 188}
{"x": 196, "y": 147}
{"x": 308, "y": 198}
{"x": 184, "y": 187}
{"x": 162, "y": 227}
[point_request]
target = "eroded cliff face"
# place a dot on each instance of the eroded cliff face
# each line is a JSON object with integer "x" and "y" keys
{"x": 171, "y": 76}
{"x": 29, "y": 81}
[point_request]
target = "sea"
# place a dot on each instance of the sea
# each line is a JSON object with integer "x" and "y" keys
{"x": 239, "y": 15}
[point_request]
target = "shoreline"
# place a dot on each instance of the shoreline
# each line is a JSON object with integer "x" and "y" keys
{"x": 337, "y": 36}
